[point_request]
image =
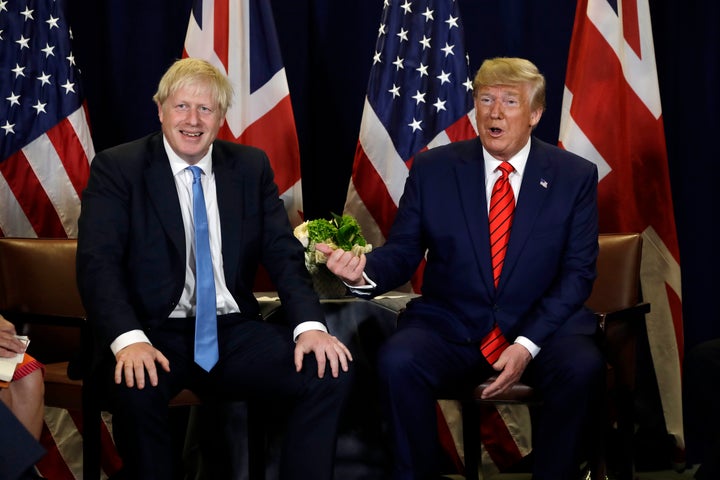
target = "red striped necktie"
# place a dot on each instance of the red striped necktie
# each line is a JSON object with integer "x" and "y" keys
{"x": 502, "y": 207}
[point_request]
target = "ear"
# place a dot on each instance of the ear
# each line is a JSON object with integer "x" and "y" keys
{"x": 535, "y": 116}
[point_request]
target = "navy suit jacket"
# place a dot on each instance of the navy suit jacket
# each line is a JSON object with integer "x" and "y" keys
{"x": 131, "y": 244}
{"x": 550, "y": 262}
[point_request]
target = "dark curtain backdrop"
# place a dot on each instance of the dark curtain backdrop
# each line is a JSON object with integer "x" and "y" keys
{"x": 123, "y": 47}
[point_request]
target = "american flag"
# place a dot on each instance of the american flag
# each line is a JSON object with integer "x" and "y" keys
{"x": 45, "y": 143}
{"x": 612, "y": 115}
{"x": 419, "y": 96}
{"x": 239, "y": 38}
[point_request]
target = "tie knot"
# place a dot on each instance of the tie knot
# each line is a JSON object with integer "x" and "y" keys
{"x": 197, "y": 172}
{"x": 504, "y": 167}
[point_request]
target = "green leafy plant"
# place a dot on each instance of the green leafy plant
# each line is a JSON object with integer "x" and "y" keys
{"x": 341, "y": 231}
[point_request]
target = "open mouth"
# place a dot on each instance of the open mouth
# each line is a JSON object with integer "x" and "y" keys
{"x": 190, "y": 134}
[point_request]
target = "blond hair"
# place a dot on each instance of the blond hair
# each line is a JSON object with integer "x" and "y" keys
{"x": 512, "y": 71}
{"x": 197, "y": 73}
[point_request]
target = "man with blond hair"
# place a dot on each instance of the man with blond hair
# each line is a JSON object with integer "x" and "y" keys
{"x": 152, "y": 210}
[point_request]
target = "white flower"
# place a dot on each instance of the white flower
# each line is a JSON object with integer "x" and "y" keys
{"x": 302, "y": 234}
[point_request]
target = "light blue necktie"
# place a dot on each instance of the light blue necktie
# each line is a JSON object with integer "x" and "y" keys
{"x": 206, "y": 338}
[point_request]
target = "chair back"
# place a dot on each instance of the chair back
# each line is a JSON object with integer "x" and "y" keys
{"x": 38, "y": 276}
{"x": 38, "y": 290}
{"x": 617, "y": 285}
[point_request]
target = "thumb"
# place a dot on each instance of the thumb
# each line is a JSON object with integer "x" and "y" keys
{"x": 499, "y": 363}
{"x": 323, "y": 248}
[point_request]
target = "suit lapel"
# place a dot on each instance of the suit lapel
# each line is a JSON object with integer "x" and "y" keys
{"x": 471, "y": 184}
{"x": 160, "y": 185}
{"x": 537, "y": 180}
{"x": 230, "y": 192}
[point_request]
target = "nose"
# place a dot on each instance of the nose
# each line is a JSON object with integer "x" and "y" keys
{"x": 193, "y": 116}
{"x": 496, "y": 110}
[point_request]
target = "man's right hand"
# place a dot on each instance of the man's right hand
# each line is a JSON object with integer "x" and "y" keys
{"x": 132, "y": 362}
{"x": 346, "y": 265}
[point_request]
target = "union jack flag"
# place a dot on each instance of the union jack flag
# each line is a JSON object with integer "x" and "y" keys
{"x": 45, "y": 143}
{"x": 239, "y": 38}
{"x": 612, "y": 115}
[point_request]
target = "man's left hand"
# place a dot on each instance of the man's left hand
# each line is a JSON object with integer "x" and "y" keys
{"x": 511, "y": 365}
{"x": 326, "y": 348}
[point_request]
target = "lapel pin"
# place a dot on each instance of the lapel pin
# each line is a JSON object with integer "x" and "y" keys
{"x": 543, "y": 183}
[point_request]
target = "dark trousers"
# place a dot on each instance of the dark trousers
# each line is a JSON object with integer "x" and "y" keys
{"x": 418, "y": 366}
{"x": 256, "y": 363}
{"x": 701, "y": 393}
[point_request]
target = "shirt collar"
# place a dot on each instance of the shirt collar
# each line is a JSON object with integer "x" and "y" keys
{"x": 518, "y": 161}
{"x": 177, "y": 164}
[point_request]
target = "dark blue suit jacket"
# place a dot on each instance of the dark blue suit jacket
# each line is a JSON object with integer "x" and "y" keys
{"x": 131, "y": 246}
{"x": 550, "y": 263}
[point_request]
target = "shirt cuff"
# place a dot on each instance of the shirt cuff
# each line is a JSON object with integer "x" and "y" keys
{"x": 128, "y": 338}
{"x": 529, "y": 344}
{"x": 305, "y": 326}
{"x": 363, "y": 289}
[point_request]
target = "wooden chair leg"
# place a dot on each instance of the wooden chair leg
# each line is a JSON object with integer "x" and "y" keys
{"x": 91, "y": 431}
{"x": 626, "y": 431}
{"x": 471, "y": 438}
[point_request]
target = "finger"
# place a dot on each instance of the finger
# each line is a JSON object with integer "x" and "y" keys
{"x": 494, "y": 388}
{"x": 13, "y": 345}
{"x": 343, "y": 359}
{"x": 152, "y": 374}
{"x": 323, "y": 248}
{"x": 332, "y": 356}
{"x": 163, "y": 361}
{"x": 321, "y": 361}
{"x": 344, "y": 355}
{"x": 118, "y": 372}
{"x": 362, "y": 260}
{"x": 139, "y": 371}
{"x": 299, "y": 354}
{"x": 129, "y": 375}
{"x": 345, "y": 350}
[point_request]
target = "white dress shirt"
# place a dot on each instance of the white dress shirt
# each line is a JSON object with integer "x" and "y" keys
{"x": 492, "y": 173}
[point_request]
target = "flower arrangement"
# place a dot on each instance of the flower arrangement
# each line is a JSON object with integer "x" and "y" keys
{"x": 342, "y": 231}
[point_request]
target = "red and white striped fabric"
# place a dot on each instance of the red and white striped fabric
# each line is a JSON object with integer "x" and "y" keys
{"x": 239, "y": 38}
{"x": 612, "y": 116}
{"x": 408, "y": 109}
{"x": 45, "y": 143}
{"x": 62, "y": 439}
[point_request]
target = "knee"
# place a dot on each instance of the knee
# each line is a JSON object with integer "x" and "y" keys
{"x": 29, "y": 390}
{"x": 333, "y": 384}
{"x": 587, "y": 373}
{"x": 136, "y": 400}
{"x": 395, "y": 363}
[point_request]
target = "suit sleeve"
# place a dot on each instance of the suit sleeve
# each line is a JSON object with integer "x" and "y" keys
{"x": 563, "y": 301}
{"x": 284, "y": 257}
{"x": 103, "y": 231}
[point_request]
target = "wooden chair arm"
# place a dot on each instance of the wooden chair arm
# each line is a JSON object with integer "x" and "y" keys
{"x": 630, "y": 314}
{"x": 20, "y": 319}
{"x": 619, "y": 333}
{"x": 54, "y": 339}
